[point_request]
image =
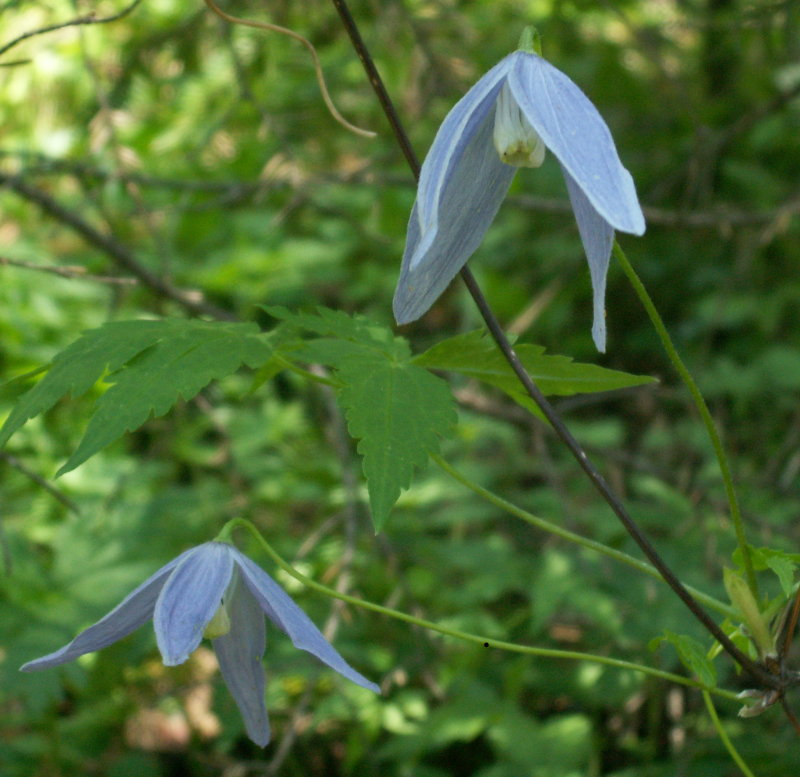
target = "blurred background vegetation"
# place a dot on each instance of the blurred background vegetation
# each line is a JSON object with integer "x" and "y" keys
{"x": 168, "y": 164}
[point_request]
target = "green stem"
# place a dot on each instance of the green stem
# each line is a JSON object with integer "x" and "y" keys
{"x": 466, "y": 636}
{"x": 723, "y": 735}
{"x": 552, "y": 528}
{"x": 702, "y": 407}
{"x": 307, "y": 374}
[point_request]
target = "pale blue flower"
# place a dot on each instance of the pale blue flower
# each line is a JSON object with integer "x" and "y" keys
{"x": 522, "y": 105}
{"x": 212, "y": 590}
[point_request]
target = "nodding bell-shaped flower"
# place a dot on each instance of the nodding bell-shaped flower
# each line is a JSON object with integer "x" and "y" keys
{"x": 212, "y": 590}
{"x": 522, "y": 106}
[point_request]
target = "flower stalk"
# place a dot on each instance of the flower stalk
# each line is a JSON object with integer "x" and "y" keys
{"x": 702, "y": 408}
{"x": 751, "y": 667}
{"x": 477, "y": 639}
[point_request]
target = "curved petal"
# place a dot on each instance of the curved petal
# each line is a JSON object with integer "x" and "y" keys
{"x": 286, "y": 615}
{"x": 462, "y": 184}
{"x": 189, "y": 599}
{"x": 597, "y": 238}
{"x": 239, "y": 653}
{"x": 472, "y": 195}
{"x": 575, "y": 132}
{"x": 452, "y": 138}
{"x": 134, "y": 610}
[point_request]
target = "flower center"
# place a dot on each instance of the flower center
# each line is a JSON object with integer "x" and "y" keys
{"x": 515, "y": 139}
{"x": 220, "y": 624}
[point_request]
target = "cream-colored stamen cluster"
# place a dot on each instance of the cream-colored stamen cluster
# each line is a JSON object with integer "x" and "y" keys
{"x": 515, "y": 139}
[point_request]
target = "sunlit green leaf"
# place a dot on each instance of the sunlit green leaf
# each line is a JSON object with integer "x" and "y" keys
{"x": 475, "y": 355}
{"x": 150, "y": 366}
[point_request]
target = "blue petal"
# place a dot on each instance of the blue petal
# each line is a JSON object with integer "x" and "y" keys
{"x": 285, "y": 614}
{"x": 133, "y": 611}
{"x": 189, "y": 599}
{"x": 597, "y": 237}
{"x": 461, "y": 186}
{"x": 574, "y": 131}
{"x": 239, "y": 653}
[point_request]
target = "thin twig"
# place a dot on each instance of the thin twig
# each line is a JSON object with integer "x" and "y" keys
{"x": 533, "y": 391}
{"x": 71, "y": 272}
{"x": 119, "y": 253}
{"x": 723, "y": 217}
{"x": 14, "y": 462}
{"x": 387, "y": 105}
{"x": 314, "y": 57}
{"x": 81, "y": 20}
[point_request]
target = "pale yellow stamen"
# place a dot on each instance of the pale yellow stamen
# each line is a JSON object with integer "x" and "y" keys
{"x": 220, "y": 624}
{"x": 515, "y": 139}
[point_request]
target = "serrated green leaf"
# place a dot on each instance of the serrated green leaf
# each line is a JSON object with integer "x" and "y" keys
{"x": 475, "y": 355}
{"x": 185, "y": 359}
{"x": 334, "y": 353}
{"x": 398, "y": 412}
{"x": 395, "y": 409}
{"x": 150, "y": 364}
{"x": 343, "y": 327}
{"x": 692, "y": 655}
{"x": 79, "y": 366}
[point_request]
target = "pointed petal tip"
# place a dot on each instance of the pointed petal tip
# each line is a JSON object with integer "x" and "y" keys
{"x": 283, "y": 611}
{"x": 599, "y": 334}
{"x": 374, "y": 687}
{"x": 627, "y": 217}
{"x": 405, "y": 307}
{"x": 399, "y": 317}
{"x": 402, "y": 316}
{"x": 637, "y": 225}
{"x": 174, "y": 660}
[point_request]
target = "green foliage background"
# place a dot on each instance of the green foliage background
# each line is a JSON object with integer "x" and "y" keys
{"x": 205, "y": 156}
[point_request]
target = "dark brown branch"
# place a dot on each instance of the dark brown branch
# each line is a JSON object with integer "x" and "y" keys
{"x": 119, "y": 253}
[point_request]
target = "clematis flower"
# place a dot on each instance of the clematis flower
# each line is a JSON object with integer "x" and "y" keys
{"x": 521, "y": 107}
{"x": 212, "y": 590}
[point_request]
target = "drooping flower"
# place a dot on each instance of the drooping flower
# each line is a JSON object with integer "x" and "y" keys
{"x": 212, "y": 590}
{"x": 506, "y": 120}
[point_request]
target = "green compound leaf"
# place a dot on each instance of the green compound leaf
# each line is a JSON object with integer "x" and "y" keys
{"x": 398, "y": 412}
{"x": 77, "y": 368}
{"x": 475, "y": 355}
{"x": 692, "y": 655}
{"x": 395, "y": 409}
{"x": 150, "y": 364}
{"x": 343, "y": 328}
